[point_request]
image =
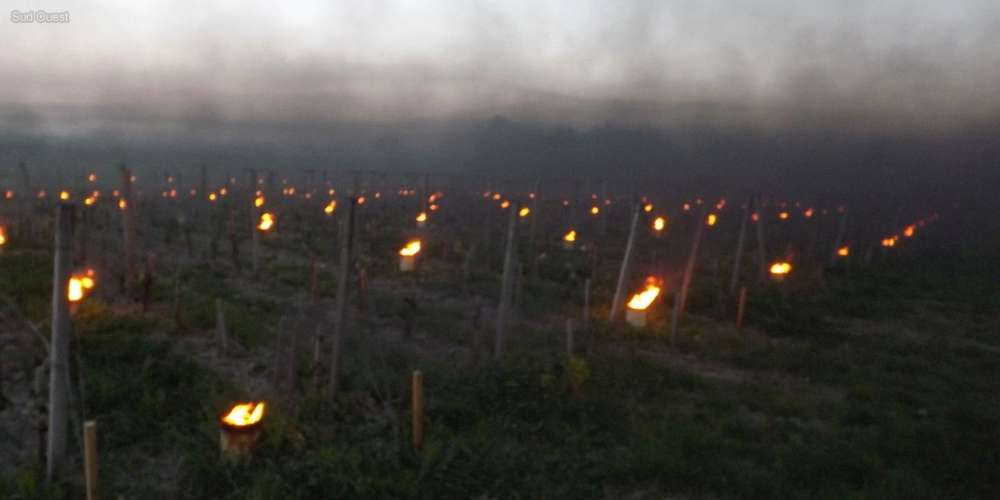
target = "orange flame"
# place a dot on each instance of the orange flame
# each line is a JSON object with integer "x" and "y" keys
{"x": 783, "y": 215}
{"x": 711, "y": 220}
{"x": 223, "y": 191}
{"x": 212, "y": 196}
{"x": 643, "y": 299}
{"x": 659, "y": 224}
{"x": 910, "y": 231}
{"x": 330, "y": 207}
{"x": 92, "y": 177}
{"x": 258, "y": 201}
{"x": 422, "y": 217}
{"x": 3, "y": 237}
{"x": 844, "y": 251}
{"x": 647, "y": 207}
{"x": 411, "y": 248}
{"x": 244, "y": 414}
{"x": 64, "y": 195}
{"x": 524, "y": 212}
{"x": 74, "y": 291}
{"x": 433, "y": 207}
{"x": 505, "y": 204}
{"x": 570, "y": 236}
{"x": 808, "y": 213}
{"x": 781, "y": 268}
{"x": 266, "y": 221}
{"x": 889, "y": 242}
{"x": 122, "y": 205}
{"x": 594, "y": 210}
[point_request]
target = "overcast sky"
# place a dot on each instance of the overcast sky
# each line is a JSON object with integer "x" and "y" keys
{"x": 896, "y": 63}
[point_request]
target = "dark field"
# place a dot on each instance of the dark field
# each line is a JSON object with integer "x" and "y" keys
{"x": 860, "y": 379}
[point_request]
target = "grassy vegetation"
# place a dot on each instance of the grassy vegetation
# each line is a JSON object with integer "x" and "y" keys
{"x": 899, "y": 405}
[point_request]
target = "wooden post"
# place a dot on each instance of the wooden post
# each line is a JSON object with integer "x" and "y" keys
{"x": 741, "y": 308}
{"x": 761, "y": 247}
{"x": 59, "y": 344}
{"x": 90, "y": 458}
{"x": 221, "y": 337}
{"x": 128, "y": 210}
{"x": 418, "y": 409}
{"x": 506, "y": 285}
{"x": 346, "y": 242}
{"x": 681, "y": 302}
{"x": 616, "y": 302}
{"x": 254, "y": 218}
{"x": 738, "y": 258}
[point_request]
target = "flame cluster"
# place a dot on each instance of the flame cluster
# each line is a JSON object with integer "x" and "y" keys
{"x": 643, "y": 299}
{"x": 266, "y": 221}
{"x": 781, "y": 268}
{"x": 244, "y": 414}
{"x": 412, "y": 248}
{"x": 79, "y": 285}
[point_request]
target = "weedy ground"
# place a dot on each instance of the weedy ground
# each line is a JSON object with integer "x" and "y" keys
{"x": 871, "y": 383}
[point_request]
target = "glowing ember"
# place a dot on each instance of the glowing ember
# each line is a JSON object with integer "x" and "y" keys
{"x": 433, "y": 208}
{"x": 565, "y": 203}
{"x": 244, "y": 414}
{"x": 41, "y": 194}
{"x": 8, "y": 194}
{"x": 755, "y": 217}
{"x": 496, "y": 196}
{"x": 659, "y": 224}
{"x": 330, "y": 207}
{"x": 122, "y": 205}
{"x": 843, "y": 251}
{"x": 647, "y": 207}
{"x": 910, "y": 231}
{"x": 266, "y": 221}
{"x": 686, "y": 207}
{"x": 411, "y": 248}
{"x": 64, "y": 195}
{"x": 258, "y": 201}
{"x": 643, "y": 299}
{"x": 808, "y": 213}
{"x": 422, "y": 217}
{"x": 889, "y": 242}
{"x": 780, "y": 268}
{"x": 721, "y": 204}
{"x": 594, "y": 210}
{"x": 523, "y": 212}
{"x": 212, "y": 196}
{"x": 570, "y": 236}
{"x": 90, "y": 200}
{"x": 505, "y": 204}
{"x": 361, "y": 200}
{"x": 92, "y": 177}
{"x": 223, "y": 191}
{"x": 783, "y": 215}
{"x": 74, "y": 290}
{"x": 711, "y": 219}
{"x": 3, "y": 237}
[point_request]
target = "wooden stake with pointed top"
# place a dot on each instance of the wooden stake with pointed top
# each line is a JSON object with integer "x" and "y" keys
{"x": 619, "y": 297}
{"x": 59, "y": 344}
{"x": 681, "y": 302}
{"x": 506, "y": 285}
